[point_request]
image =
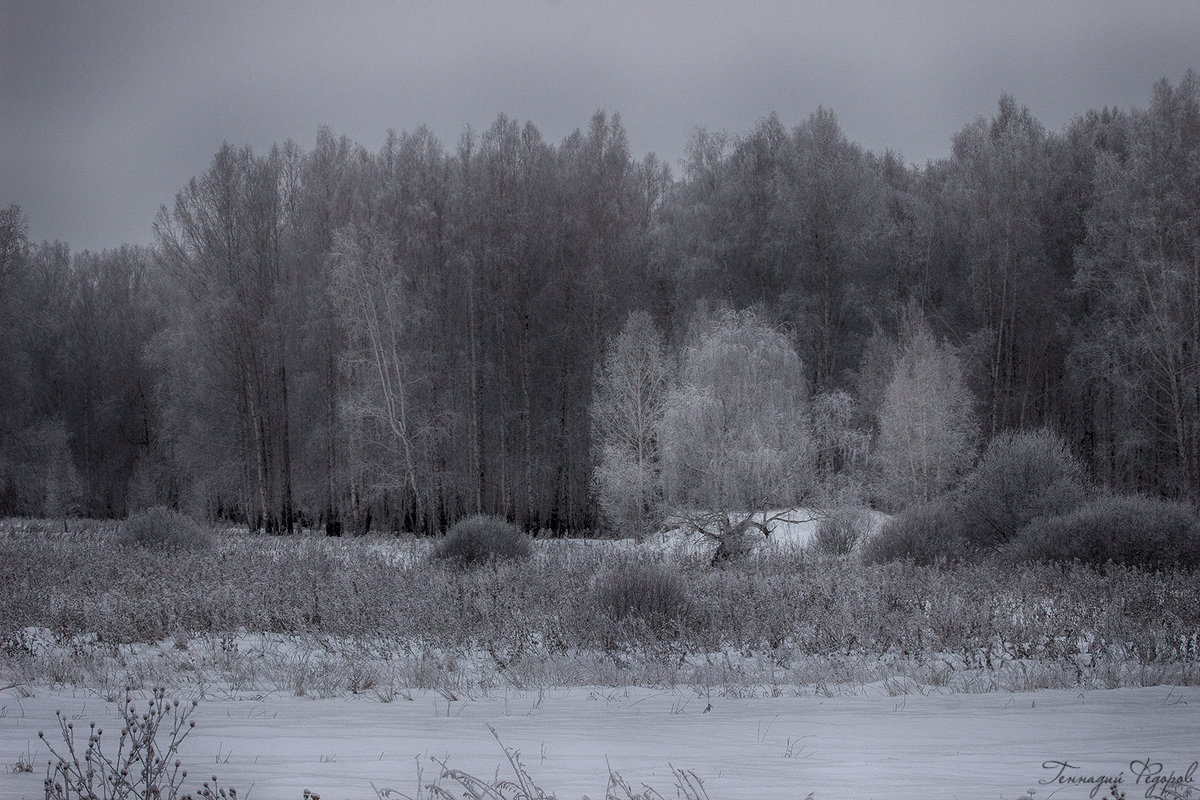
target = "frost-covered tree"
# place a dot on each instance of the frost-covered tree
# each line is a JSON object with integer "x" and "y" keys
{"x": 382, "y": 371}
{"x": 735, "y": 436}
{"x": 14, "y": 373}
{"x": 841, "y": 445}
{"x": 62, "y": 488}
{"x": 231, "y": 333}
{"x": 927, "y": 426}
{"x": 626, "y": 410}
{"x": 1137, "y": 351}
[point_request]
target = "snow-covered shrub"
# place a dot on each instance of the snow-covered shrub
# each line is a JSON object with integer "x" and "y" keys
{"x": 644, "y": 590}
{"x": 926, "y": 533}
{"x": 1022, "y": 476}
{"x": 842, "y": 531}
{"x": 162, "y": 528}
{"x": 481, "y": 539}
{"x": 1124, "y": 529}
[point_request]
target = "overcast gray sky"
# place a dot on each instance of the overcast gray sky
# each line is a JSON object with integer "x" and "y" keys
{"x": 108, "y": 108}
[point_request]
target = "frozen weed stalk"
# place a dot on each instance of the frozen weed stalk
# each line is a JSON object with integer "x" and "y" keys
{"x": 145, "y": 765}
{"x": 688, "y": 785}
{"x": 24, "y": 763}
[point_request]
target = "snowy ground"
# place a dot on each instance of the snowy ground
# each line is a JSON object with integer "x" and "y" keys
{"x": 879, "y": 744}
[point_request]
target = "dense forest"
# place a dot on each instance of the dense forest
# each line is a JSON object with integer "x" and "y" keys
{"x": 394, "y": 339}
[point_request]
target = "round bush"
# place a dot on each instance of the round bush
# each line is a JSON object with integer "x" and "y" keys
{"x": 641, "y": 590}
{"x": 482, "y": 539}
{"x": 842, "y": 531}
{"x": 164, "y": 529}
{"x": 1124, "y": 529}
{"x": 925, "y": 534}
{"x": 1022, "y": 476}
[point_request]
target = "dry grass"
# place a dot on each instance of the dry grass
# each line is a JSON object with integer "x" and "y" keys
{"x": 522, "y": 786}
{"x": 376, "y": 616}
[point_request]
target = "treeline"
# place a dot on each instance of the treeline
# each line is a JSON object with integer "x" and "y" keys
{"x": 394, "y": 339}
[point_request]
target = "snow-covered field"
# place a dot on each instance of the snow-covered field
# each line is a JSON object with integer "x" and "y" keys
{"x": 883, "y": 743}
{"x": 278, "y": 712}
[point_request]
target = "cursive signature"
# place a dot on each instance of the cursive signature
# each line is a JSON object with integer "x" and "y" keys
{"x": 1158, "y": 783}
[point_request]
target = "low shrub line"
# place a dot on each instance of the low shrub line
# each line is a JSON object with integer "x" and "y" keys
{"x": 1028, "y": 501}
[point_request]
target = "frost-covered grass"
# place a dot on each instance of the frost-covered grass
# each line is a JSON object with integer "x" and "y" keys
{"x": 329, "y": 664}
{"x": 378, "y": 617}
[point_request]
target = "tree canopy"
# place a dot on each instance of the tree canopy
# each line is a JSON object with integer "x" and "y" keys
{"x": 400, "y": 338}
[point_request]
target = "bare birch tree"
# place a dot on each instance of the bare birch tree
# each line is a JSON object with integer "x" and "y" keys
{"x": 927, "y": 428}
{"x": 626, "y": 412}
{"x": 377, "y": 312}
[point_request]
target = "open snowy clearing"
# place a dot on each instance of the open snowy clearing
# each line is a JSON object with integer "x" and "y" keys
{"x": 884, "y": 743}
